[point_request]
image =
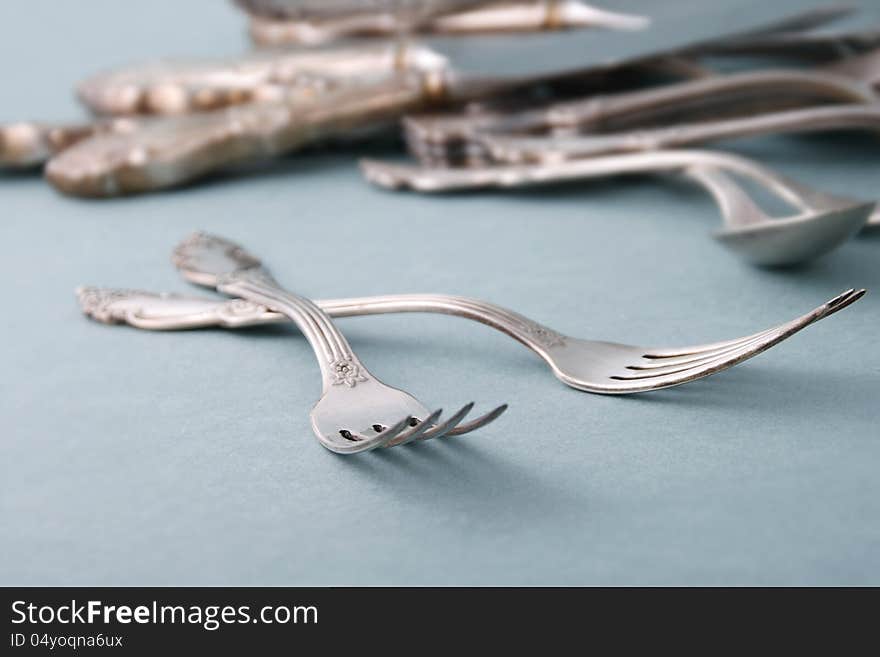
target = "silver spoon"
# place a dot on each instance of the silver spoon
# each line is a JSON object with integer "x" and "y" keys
{"x": 821, "y": 223}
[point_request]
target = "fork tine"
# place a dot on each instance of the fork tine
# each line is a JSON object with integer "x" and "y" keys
{"x": 837, "y": 303}
{"x": 730, "y": 356}
{"x": 479, "y": 422}
{"x": 393, "y": 433}
{"x": 416, "y": 431}
{"x": 652, "y": 381}
{"x": 705, "y": 368}
{"x": 841, "y": 301}
{"x": 655, "y": 365}
{"x": 451, "y": 423}
{"x": 656, "y": 382}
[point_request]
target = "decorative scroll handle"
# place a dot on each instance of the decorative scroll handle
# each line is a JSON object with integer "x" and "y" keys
{"x": 173, "y": 312}
{"x": 338, "y": 363}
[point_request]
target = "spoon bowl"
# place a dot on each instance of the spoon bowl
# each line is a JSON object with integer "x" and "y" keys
{"x": 792, "y": 240}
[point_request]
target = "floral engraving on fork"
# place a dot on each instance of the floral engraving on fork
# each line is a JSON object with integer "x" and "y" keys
{"x": 239, "y": 309}
{"x": 98, "y": 303}
{"x": 346, "y": 371}
{"x": 245, "y": 276}
{"x": 544, "y": 336}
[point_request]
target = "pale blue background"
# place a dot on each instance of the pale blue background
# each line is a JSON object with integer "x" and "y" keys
{"x": 186, "y": 458}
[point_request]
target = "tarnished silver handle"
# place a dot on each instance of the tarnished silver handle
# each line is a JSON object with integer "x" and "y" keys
{"x": 814, "y": 119}
{"x": 165, "y": 152}
{"x": 766, "y": 85}
{"x": 216, "y": 262}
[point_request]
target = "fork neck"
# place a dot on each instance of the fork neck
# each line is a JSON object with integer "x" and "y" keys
{"x": 339, "y": 365}
{"x": 537, "y": 337}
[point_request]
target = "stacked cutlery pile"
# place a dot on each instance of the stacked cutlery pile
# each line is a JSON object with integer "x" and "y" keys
{"x": 162, "y": 125}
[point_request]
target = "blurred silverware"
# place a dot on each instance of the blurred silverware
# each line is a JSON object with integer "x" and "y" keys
{"x": 504, "y": 148}
{"x": 820, "y": 223}
{"x": 28, "y": 144}
{"x": 169, "y": 151}
{"x": 455, "y": 138}
{"x": 179, "y": 87}
{"x": 330, "y": 9}
{"x": 493, "y": 17}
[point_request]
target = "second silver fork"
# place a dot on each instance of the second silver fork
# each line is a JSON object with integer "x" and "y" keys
{"x": 356, "y": 411}
{"x": 588, "y": 365}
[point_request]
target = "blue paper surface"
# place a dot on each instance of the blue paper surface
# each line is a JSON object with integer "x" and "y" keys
{"x": 130, "y": 457}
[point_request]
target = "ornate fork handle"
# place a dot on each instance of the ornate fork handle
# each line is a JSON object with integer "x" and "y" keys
{"x": 151, "y": 311}
{"x": 337, "y": 361}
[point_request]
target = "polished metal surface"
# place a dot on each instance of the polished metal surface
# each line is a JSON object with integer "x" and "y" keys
{"x": 356, "y": 411}
{"x": 588, "y": 365}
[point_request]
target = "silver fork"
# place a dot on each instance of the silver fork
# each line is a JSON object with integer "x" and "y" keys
{"x": 821, "y": 223}
{"x": 504, "y": 148}
{"x": 436, "y": 135}
{"x": 356, "y": 411}
{"x": 599, "y": 367}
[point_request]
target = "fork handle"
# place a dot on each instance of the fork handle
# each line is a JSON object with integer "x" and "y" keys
{"x": 338, "y": 363}
{"x": 535, "y": 336}
{"x": 639, "y": 105}
{"x": 164, "y": 312}
{"x": 800, "y": 120}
